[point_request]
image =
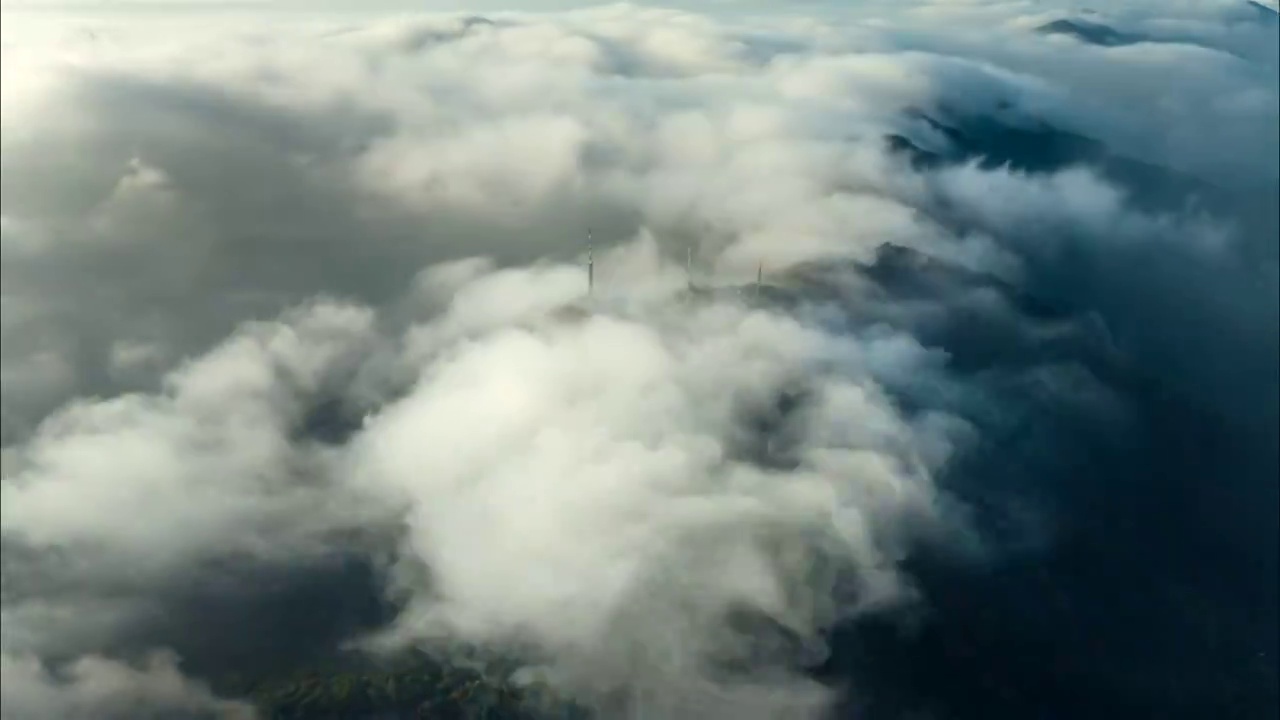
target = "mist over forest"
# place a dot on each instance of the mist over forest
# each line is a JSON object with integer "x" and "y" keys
{"x": 927, "y": 366}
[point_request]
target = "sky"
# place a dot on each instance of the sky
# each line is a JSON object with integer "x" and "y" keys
{"x": 295, "y": 313}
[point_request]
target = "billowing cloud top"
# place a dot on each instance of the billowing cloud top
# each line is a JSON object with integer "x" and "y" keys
{"x": 296, "y": 315}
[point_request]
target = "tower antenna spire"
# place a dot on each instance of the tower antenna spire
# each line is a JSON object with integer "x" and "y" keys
{"x": 591, "y": 265}
{"x": 759, "y": 277}
{"x": 688, "y": 266}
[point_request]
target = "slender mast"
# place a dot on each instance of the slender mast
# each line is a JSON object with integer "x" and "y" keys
{"x": 591, "y": 266}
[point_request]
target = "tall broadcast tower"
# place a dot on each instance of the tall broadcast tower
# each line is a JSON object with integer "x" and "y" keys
{"x": 591, "y": 269}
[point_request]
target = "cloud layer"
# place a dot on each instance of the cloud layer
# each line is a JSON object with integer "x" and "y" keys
{"x": 296, "y": 316}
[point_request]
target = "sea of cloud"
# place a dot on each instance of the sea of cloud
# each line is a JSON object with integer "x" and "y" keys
{"x": 295, "y": 314}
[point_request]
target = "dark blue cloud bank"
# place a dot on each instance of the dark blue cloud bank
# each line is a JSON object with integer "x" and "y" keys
{"x": 302, "y": 378}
